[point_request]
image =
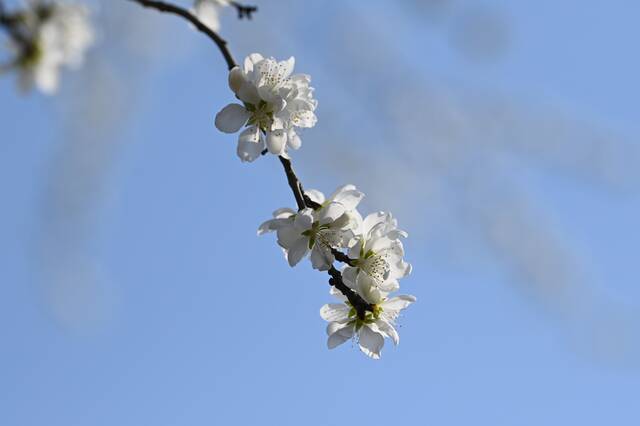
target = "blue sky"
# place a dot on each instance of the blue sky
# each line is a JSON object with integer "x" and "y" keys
{"x": 136, "y": 290}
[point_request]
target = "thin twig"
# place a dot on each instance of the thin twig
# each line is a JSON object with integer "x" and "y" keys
{"x": 169, "y": 8}
{"x": 302, "y": 199}
{"x": 294, "y": 182}
{"x": 244, "y": 11}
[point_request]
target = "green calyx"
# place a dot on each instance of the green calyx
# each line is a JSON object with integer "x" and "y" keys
{"x": 369, "y": 317}
{"x": 261, "y": 115}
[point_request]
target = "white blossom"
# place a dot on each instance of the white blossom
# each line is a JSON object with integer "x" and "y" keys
{"x": 208, "y": 12}
{"x": 371, "y": 331}
{"x": 59, "y": 35}
{"x": 274, "y": 104}
{"x": 317, "y": 231}
{"x": 378, "y": 254}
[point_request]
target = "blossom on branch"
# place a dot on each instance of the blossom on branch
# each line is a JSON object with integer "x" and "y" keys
{"x": 274, "y": 104}
{"x": 331, "y": 226}
{"x": 370, "y": 331}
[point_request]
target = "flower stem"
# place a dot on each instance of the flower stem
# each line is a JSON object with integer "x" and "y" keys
{"x": 170, "y": 8}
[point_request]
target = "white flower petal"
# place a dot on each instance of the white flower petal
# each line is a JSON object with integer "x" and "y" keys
{"x": 368, "y": 288}
{"x": 236, "y": 79}
{"x": 250, "y": 144}
{"x": 370, "y": 221}
{"x": 389, "y": 285}
{"x": 330, "y": 212}
{"x": 304, "y": 119}
{"x": 341, "y": 336}
{"x": 273, "y": 225}
{"x": 389, "y": 330}
{"x": 231, "y": 118}
{"x": 251, "y": 60}
{"x": 297, "y": 251}
{"x": 284, "y": 212}
{"x": 398, "y": 303}
{"x": 304, "y": 220}
{"x": 334, "y": 312}
{"x": 293, "y": 140}
{"x": 321, "y": 258}
{"x": 349, "y": 276}
{"x": 288, "y": 236}
{"x": 285, "y": 68}
{"x": 248, "y": 93}
{"x": 349, "y": 199}
{"x": 47, "y": 79}
{"x": 276, "y": 141}
{"x": 370, "y": 342}
{"x": 339, "y": 332}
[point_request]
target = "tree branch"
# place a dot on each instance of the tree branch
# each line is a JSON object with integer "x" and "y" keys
{"x": 302, "y": 200}
{"x": 170, "y": 8}
{"x": 359, "y": 304}
{"x": 341, "y": 257}
{"x": 294, "y": 183}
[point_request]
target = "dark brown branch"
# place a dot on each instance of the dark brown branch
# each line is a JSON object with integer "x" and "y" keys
{"x": 302, "y": 199}
{"x": 244, "y": 11}
{"x": 341, "y": 257}
{"x": 359, "y": 304}
{"x": 294, "y": 183}
{"x": 309, "y": 202}
{"x": 169, "y": 8}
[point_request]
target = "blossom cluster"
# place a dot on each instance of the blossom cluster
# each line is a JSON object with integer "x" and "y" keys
{"x": 46, "y": 37}
{"x": 274, "y": 104}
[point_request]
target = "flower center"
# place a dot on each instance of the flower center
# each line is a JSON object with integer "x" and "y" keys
{"x": 261, "y": 115}
{"x": 323, "y": 234}
{"x": 374, "y": 265}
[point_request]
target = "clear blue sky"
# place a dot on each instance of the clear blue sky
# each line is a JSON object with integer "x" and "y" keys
{"x": 504, "y": 135}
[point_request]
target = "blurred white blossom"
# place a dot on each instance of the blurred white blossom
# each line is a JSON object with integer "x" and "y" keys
{"x": 57, "y": 36}
{"x": 208, "y": 12}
